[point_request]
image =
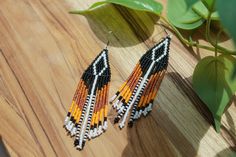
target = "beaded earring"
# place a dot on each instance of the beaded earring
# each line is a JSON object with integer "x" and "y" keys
{"x": 87, "y": 115}
{"x": 139, "y": 90}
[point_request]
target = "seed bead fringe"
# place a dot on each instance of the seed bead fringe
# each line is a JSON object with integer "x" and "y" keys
{"x": 135, "y": 97}
{"x": 87, "y": 115}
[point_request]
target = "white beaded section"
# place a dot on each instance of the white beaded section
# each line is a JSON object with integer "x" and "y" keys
{"x": 105, "y": 125}
{"x": 113, "y": 98}
{"x": 116, "y": 104}
{"x": 102, "y": 56}
{"x": 87, "y": 112}
{"x": 66, "y": 120}
{"x": 122, "y": 124}
{"x": 119, "y": 105}
{"x": 73, "y": 131}
{"x": 100, "y": 131}
{"x": 165, "y": 42}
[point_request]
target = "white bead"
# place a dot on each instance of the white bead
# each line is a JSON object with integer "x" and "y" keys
{"x": 116, "y": 103}
{"x": 121, "y": 109}
{"x": 140, "y": 112}
{"x": 105, "y": 125}
{"x": 149, "y": 107}
{"x": 66, "y": 120}
{"x": 121, "y": 125}
{"x": 119, "y": 105}
{"x": 73, "y": 131}
{"x": 68, "y": 125}
{"x": 79, "y": 147}
{"x": 112, "y": 98}
{"x": 95, "y": 133}
{"x": 100, "y": 130}
{"x": 136, "y": 115}
{"x": 71, "y": 126}
{"x": 90, "y": 135}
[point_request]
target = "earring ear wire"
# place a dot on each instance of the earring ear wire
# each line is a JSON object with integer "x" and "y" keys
{"x": 163, "y": 30}
{"x": 108, "y": 41}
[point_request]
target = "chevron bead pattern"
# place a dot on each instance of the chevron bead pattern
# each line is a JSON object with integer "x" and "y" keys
{"x": 135, "y": 97}
{"x": 87, "y": 115}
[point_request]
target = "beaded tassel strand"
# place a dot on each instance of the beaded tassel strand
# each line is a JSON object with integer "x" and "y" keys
{"x": 87, "y": 115}
{"x": 138, "y": 92}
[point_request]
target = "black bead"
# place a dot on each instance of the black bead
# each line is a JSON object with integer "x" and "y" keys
{"x": 116, "y": 120}
{"x": 76, "y": 142}
{"x": 130, "y": 124}
{"x": 83, "y": 144}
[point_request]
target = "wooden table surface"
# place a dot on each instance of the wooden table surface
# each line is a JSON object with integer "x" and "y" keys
{"x": 44, "y": 51}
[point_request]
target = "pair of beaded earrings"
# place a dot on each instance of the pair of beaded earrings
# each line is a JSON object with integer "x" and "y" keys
{"x": 87, "y": 115}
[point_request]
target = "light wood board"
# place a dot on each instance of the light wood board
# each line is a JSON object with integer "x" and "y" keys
{"x": 44, "y": 51}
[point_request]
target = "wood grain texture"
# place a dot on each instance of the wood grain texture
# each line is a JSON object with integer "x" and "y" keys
{"x": 43, "y": 52}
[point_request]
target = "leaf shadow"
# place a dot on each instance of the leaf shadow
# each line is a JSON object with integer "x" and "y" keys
{"x": 232, "y": 101}
{"x": 229, "y": 134}
{"x": 123, "y": 27}
{"x": 226, "y": 153}
{"x": 130, "y": 28}
{"x": 157, "y": 134}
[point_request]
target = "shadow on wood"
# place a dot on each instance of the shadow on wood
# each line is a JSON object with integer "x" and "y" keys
{"x": 149, "y": 135}
{"x": 3, "y": 150}
{"x": 226, "y": 153}
{"x": 157, "y": 135}
{"x": 125, "y": 28}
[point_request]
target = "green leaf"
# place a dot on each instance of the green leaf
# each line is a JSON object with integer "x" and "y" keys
{"x": 210, "y": 4}
{"x": 227, "y": 13}
{"x": 181, "y": 15}
{"x": 141, "y": 5}
{"x": 212, "y": 81}
{"x": 201, "y": 10}
{"x": 234, "y": 74}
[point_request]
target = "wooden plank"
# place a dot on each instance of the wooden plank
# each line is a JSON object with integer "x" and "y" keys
{"x": 44, "y": 51}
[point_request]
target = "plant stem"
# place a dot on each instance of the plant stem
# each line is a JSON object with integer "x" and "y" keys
{"x": 194, "y": 43}
{"x": 208, "y": 37}
{"x": 185, "y": 41}
{"x": 217, "y": 39}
